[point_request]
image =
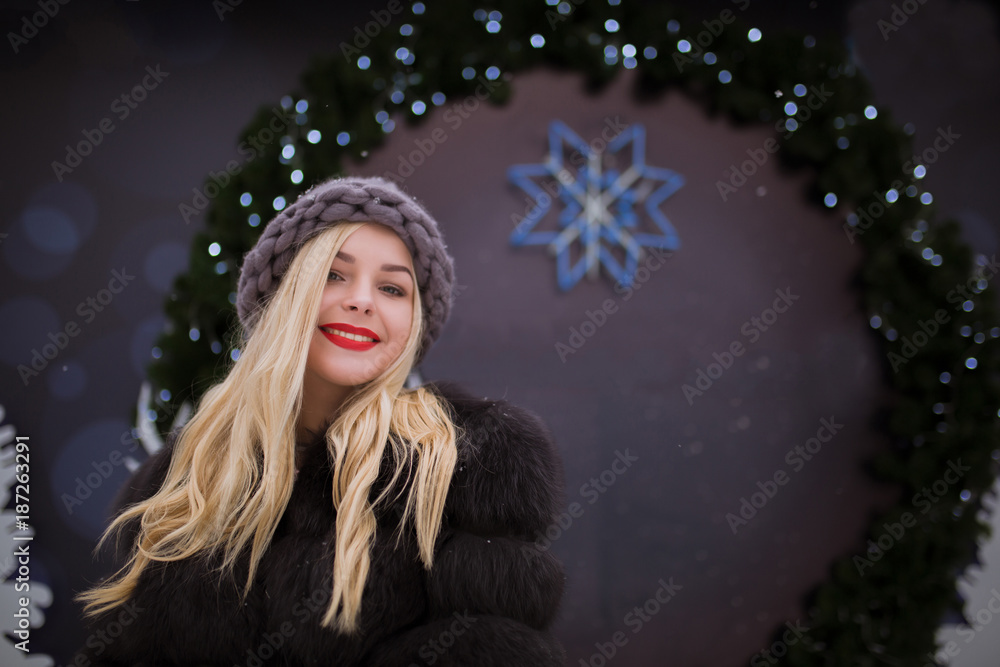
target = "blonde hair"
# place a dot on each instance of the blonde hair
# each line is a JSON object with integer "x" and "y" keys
{"x": 233, "y": 465}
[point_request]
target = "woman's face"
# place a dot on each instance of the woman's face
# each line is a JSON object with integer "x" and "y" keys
{"x": 368, "y": 295}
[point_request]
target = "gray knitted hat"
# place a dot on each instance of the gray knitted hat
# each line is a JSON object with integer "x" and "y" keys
{"x": 350, "y": 199}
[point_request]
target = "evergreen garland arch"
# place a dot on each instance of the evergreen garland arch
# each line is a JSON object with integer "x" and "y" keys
{"x": 945, "y": 392}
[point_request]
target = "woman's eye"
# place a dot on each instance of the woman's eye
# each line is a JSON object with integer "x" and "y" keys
{"x": 395, "y": 291}
{"x": 389, "y": 289}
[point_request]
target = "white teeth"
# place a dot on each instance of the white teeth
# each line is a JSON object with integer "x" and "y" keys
{"x": 338, "y": 332}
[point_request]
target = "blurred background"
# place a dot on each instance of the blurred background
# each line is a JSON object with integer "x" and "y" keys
{"x": 89, "y": 254}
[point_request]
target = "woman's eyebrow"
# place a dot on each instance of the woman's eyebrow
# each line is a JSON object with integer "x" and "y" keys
{"x": 385, "y": 267}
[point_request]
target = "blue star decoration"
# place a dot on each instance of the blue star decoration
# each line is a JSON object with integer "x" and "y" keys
{"x": 598, "y": 205}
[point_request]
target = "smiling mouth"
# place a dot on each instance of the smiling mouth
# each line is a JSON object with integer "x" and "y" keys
{"x": 350, "y": 336}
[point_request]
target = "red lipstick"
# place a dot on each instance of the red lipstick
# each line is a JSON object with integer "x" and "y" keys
{"x": 348, "y": 343}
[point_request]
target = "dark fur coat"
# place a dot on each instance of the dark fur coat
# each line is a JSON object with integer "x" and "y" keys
{"x": 489, "y": 599}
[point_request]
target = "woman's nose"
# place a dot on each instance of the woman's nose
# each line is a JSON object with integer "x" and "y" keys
{"x": 360, "y": 298}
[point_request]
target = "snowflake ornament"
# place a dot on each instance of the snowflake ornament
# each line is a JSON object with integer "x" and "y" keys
{"x": 599, "y": 204}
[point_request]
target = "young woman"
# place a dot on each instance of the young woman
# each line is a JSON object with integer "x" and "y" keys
{"x": 315, "y": 510}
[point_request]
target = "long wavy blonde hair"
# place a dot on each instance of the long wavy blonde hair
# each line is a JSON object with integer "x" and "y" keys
{"x": 233, "y": 465}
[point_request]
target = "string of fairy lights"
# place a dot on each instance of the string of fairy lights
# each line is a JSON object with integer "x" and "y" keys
{"x": 946, "y": 396}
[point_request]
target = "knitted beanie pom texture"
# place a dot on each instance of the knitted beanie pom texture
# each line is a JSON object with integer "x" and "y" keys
{"x": 350, "y": 199}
